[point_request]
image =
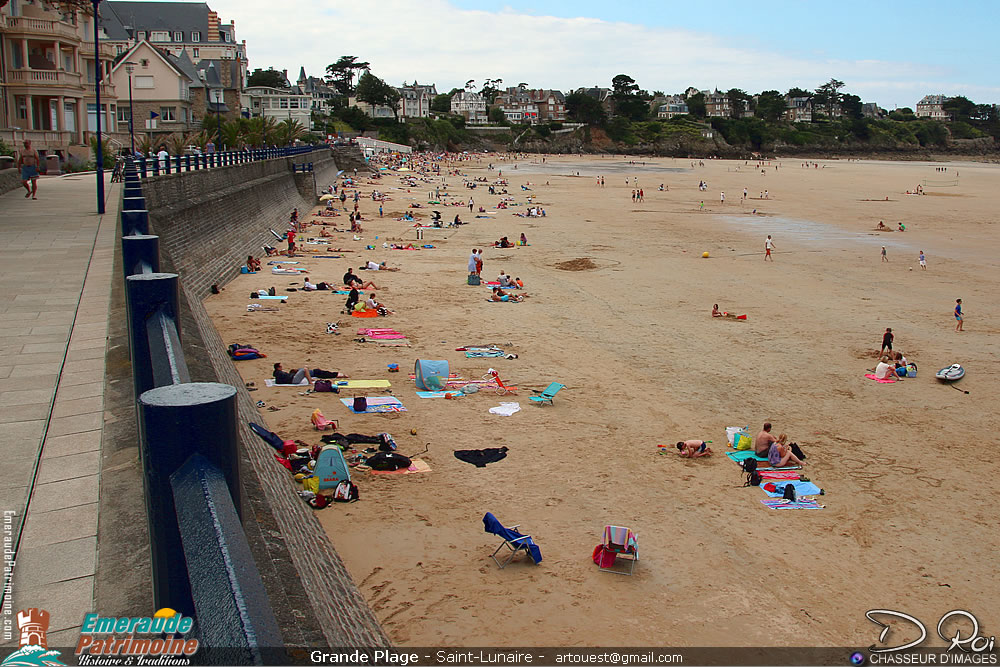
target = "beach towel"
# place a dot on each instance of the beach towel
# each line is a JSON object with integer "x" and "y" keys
{"x": 376, "y": 404}
{"x": 364, "y": 313}
{"x": 511, "y": 301}
{"x": 506, "y": 409}
{"x": 781, "y": 504}
{"x": 779, "y": 474}
{"x": 473, "y": 354}
{"x": 363, "y": 384}
{"x": 282, "y": 298}
{"x": 415, "y": 466}
{"x": 286, "y": 272}
{"x": 271, "y": 382}
{"x": 801, "y": 488}
{"x": 739, "y": 456}
{"x": 480, "y": 457}
{"x": 437, "y": 394}
{"x": 871, "y": 376}
{"x": 281, "y": 261}
{"x": 493, "y": 526}
{"x": 269, "y": 437}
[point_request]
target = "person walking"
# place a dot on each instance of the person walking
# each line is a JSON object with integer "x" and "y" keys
{"x": 958, "y": 315}
{"x": 884, "y": 258}
{"x": 768, "y": 247}
{"x": 479, "y": 262}
{"x": 722, "y": 198}
{"x": 28, "y": 161}
{"x": 923, "y": 261}
{"x": 886, "y": 342}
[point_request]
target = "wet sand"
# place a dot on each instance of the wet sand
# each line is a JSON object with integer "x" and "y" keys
{"x": 910, "y": 518}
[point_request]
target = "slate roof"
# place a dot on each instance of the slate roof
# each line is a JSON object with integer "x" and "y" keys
{"x": 119, "y": 18}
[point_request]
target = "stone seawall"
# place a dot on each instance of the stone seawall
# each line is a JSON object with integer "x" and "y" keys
{"x": 208, "y": 222}
{"x": 10, "y": 179}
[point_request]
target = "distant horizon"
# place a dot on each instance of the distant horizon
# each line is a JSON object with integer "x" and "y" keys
{"x": 552, "y": 45}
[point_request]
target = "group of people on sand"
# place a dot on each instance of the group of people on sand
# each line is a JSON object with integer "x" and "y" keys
{"x": 776, "y": 450}
{"x": 882, "y": 227}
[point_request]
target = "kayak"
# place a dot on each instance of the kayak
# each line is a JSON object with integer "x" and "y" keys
{"x": 950, "y": 373}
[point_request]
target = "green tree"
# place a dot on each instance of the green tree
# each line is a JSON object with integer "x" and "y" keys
{"x": 490, "y": 89}
{"x": 356, "y": 118}
{"x": 770, "y": 106}
{"x": 851, "y": 106}
{"x": 288, "y": 130}
{"x": 377, "y": 92}
{"x": 799, "y": 92}
{"x": 341, "y": 74}
{"x": 829, "y": 95}
{"x": 584, "y": 109}
{"x": 961, "y": 108}
{"x": 739, "y": 101}
{"x": 629, "y": 101}
{"x": 267, "y": 77}
{"x": 496, "y": 115}
{"x": 441, "y": 103}
{"x": 696, "y": 105}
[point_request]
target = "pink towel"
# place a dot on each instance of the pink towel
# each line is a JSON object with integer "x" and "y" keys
{"x": 779, "y": 474}
{"x": 871, "y": 376}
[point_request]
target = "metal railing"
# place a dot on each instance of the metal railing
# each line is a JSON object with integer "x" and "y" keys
{"x": 189, "y": 447}
{"x": 172, "y": 164}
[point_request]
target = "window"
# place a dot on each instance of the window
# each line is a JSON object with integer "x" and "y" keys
{"x": 144, "y": 82}
{"x": 178, "y": 36}
{"x": 142, "y": 35}
{"x": 196, "y": 52}
{"x": 195, "y": 36}
{"x": 184, "y": 115}
{"x": 168, "y": 114}
{"x": 225, "y": 37}
{"x": 122, "y": 115}
{"x": 144, "y": 62}
{"x": 159, "y": 36}
{"x": 284, "y": 103}
{"x": 293, "y": 104}
{"x": 22, "y": 107}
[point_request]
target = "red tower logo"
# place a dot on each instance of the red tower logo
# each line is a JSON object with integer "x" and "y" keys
{"x": 33, "y": 624}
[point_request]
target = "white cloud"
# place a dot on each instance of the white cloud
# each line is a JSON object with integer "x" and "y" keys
{"x": 433, "y": 41}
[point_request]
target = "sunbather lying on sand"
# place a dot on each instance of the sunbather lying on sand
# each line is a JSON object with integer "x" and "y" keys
{"x": 378, "y": 266}
{"x": 693, "y": 449}
{"x": 500, "y": 295}
{"x": 296, "y": 376}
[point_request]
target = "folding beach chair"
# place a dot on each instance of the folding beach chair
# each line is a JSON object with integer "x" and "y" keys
{"x": 493, "y": 376}
{"x": 621, "y": 542}
{"x": 322, "y": 423}
{"x": 547, "y": 394}
{"x": 512, "y": 539}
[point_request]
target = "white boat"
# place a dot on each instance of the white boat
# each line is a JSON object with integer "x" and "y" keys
{"x": 950, "y": 373}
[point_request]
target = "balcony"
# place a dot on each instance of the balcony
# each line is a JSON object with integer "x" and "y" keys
{"x": 22, "y": 25}
{"x": 40, "y": 139}
{"x": 108, "y": 52}
{"x": 43, "y": 77}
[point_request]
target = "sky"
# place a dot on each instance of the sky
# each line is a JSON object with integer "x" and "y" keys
{"x": 892, "y": 53}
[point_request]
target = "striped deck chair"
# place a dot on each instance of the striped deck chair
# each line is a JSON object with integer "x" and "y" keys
{"x": 623, "y": 543}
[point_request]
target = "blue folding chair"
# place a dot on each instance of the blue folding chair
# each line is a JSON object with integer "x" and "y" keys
{"x": 548, "y": 394}
{"x": 512, "y": 539}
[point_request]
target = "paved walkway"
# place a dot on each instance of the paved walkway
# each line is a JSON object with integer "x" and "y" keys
{"x": 56, "y": 256}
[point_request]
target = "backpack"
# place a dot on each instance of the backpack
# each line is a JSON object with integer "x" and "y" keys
{"x": 360, "y": 404}
{"x": 753, "y": 479}
{"x": 325, "y": 385}
{"x": 387, "y": 443}
{"x": 749, "y": 465}
{"x": 797, "y": 451}
{"x": 789, "y": 493}
{"x": 346, "y": 492}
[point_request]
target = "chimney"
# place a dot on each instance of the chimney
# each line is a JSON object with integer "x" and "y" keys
{"x": 213, "y": 27}
{"x": 226, "y": 73}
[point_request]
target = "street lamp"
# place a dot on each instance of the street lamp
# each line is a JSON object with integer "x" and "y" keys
{"x": 130, "y": 67}
{"x": 97, "y": 94}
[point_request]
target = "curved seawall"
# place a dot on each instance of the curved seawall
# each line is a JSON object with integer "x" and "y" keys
{"x": 208, "y": 222}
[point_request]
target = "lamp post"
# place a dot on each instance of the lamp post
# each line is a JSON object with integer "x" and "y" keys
{"x": 130, "y": 67}
{"x": 97, "y": 94}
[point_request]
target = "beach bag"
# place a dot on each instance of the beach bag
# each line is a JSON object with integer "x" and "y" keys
{"x": 325, "y": 385}
{"x": 360, "y": 404}
{"x": 753, "y": 479}
{"x": 797, "y": 451}
{"x": 474, "y": 279}
{"x": 742, "y": 440}
{"x": 749, "y": 465}
{"x": 789, "y": 493}
{"x": 319, "y": 501}
{"x": 911, "y": 370}
{"x": 387, "y": 444}
{"x": 346, "y": 492}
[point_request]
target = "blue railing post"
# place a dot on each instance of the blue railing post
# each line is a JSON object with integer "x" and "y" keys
{"x": 175, "y": 422}
{"x": 145, "y": 294}
{"x": 135, "y": 222}
{"x": 231, "y": 603}
{"x": 140, "y": 254}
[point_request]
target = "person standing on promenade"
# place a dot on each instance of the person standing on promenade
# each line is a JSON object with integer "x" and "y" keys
{"x": 884, "y": 258}
{"x": 28, "y": 161}
{"x": 768, "y": 247}
{"x": 958, "y": 315}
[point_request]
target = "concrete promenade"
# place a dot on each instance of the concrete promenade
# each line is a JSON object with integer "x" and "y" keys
{"x": 56, "y": 257}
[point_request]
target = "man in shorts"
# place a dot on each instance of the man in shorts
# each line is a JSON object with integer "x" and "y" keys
{"x": 762, "y": 443}
{"x": 28, "y": 162}
{"x": 958, "y": 315}
{"x": 768, "y": 247}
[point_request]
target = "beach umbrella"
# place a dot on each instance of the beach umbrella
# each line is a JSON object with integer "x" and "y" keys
{"x": 327, "y": 198}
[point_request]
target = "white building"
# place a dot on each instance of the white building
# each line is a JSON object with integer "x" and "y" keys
{"x": 932, "y": 106}
{"x": 470, "y": 105}
{"x": 415, "y": 100}
{"x": 280, "y": 104}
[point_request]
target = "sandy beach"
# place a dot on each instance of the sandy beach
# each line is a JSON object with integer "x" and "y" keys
{"x": 909, "y": 477}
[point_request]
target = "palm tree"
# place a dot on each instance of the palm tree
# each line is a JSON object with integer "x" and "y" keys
{"x": 261, "y": 131}
{"x": 199, "y": 139}
{"x": 233, "y": 133}
{"x": 175, "y": 144}
{"x": 288, "y": 130}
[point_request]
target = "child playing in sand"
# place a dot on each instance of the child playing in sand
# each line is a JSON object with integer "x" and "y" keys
{"x": 693, "y": 449}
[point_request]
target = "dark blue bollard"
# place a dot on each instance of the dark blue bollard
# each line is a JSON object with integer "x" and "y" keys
{"x": 133, "y": 203}
{"x": 139, "y": 253}
{"x": 132, "y": 190}
{"x": 145, "y": 295}
{"x": 135, "y": 222}
{"x": 230, "y": 601}
{"x": 175, "y": 422}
